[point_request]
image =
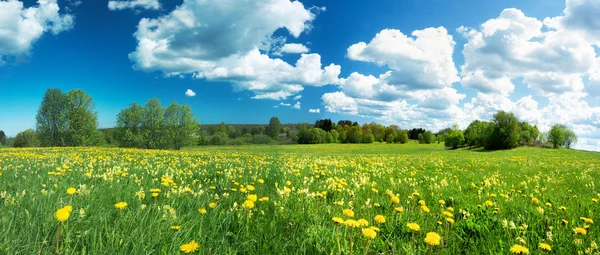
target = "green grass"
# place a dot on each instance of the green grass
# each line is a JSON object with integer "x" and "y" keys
{"x": 297, "y": 218}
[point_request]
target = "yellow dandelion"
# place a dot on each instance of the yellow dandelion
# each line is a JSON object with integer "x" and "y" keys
{"x": 399, "y": 209}
{"x": 348, "y": 213}
{"x": 395, "y": 199}
{"x": 380, "y": 219}
{"x": 425, "y": 208}
{"x": 120, "y": 205}
{"x": 338, "y": 220}
{"x": 262, "y": 199}
{"x": 62, "y": 214}
{"x": 413, "y": 226}
{"x": 363, "y": 223}
{"x": 489, "y": 203}
{"x": 189, "y": 247}
{"x": 249, "y": 204}
{"x": 432, "y": 238}
{"x": 352, "y": 223}
{"x": 176, "y": 228}
{"x": 369, "y": 233}
{"x": 252, "y": 197}
{"x": 450, "y": 220}
{"x": 545, "y": 246}
{"x": 518, "y": 249}
{"x": 581, "y": 231}
{"x": 202, "y": 211}
{"x": 442, "y": 202}
{"x": 212, "y": 205}
{"x": 71, "y": 191}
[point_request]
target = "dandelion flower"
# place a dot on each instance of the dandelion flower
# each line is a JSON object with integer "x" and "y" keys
{"x": 413, "y": 226}
{"x": 252, "y": 197}
{"x": 62, "y": 214}
{"x": 581, "y": 231}
{"x": 120, "y": 205}
{"x": 262, "y": 199}
{"x": 352, "y": 223}
{"x": 71, "y": 191}
{"x": 380, "y": 219}
{"x": 489, "y": 203}
{"x": 202, "y": 211}
{"x": 442, "y": 202}
{"x": 363, "y": 223}
{"x": 535, "y": 200}
{"x": 212, "y": 205}
{"x": 249, "y": 204}
{"x": 432, "y": 238}
{"x": 395, "y": 199}
{"x": 425, "y": 208}
{"x": 369, "y": 233}
{"x": 545, "y": 246}
{"x": 176, "y": 228}
{"x": 450, "y": 220}
{"x": 518, "y": 249}
{"x": 399, "y": 209}
{"x": 338, "y": 220}
{"x": 189, "y": 247}
{"x": 68, "y": 208}
{"x": 348, "y": 213}
{"x": 448, "y": 214}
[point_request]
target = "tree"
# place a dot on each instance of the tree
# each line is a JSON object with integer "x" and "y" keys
{"x": 274, "y": 128}
{"x": 426, "y": 137}
{"x": 402, "y": 136}
{"x": 454, "y": 138}
{"x": 505, "y": 131}
{"x": 2, "y": 138}
{"x": 334, "y": 135}
{"x": 560, "y": 135}
{"x": 27, "y": 138}
{"x": 476, "y": 134}
{"x": 82, "y": 119}
{"x": 180, "y": 125}
{"x": 153, "y": 124}
{"x": 52, "y": 121}
{"x": 129, "y": 127}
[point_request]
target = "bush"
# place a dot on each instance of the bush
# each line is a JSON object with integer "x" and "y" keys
{"x": 27, "y": 138}
{"x": 262, "y": 139}
{"x": 402, "y": 136}
{"x": 454, "y": 138}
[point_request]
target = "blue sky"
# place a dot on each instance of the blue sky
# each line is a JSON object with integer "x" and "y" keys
{"x": 422, "y": 63}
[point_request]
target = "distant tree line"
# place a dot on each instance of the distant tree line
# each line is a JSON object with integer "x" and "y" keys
{"x": 505, "y": 131}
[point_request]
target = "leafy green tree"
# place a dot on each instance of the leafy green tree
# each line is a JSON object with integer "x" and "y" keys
{"x": 334, "y": 135}
{"x": 505, "y": 132}
{"x": 27, "y": 138}
{"x": 231, "y": 132}
{"x": 82, "y": 119}
{"x": 262, "y": 139}
{"x": 180, "y": 125}
{"x": 570, "y": 138}
{"x": 52, "y": 122}
{"x": 426, "y": 137}
{"x": 153, "y": 124}
{"x": 401, "y": 136}
{"x": 129, "y": 129}
{"x": 219, "y": 138}
{"x": 274, "y": 128}
{"x": 454, "y": 138}
{"x": 476, "y": 134}
{"x": 560, "y": 135}
{"x": 390, "y": 138}
{"x": 2, "y": 138}
{"x": 343, "y": 137}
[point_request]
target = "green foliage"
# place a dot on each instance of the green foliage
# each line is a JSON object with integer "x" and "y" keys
{"x": 476, "y": 134}
{"x": 261, "y": 139}
{"x": 401, "y": 136}
{"x": 219, "y": 138}
{"x": 426, "y": 137}
{"x": 560, "y": 135}
{"x": 2, "y": 138}
{"x": 454, "y": 138}
{"x": 334, "y": 135}
{"x": 27, "y": 138}
{"x": 505, "y": 132}
{"x": 153, "y": 127}
{"x": 274, "y": 128}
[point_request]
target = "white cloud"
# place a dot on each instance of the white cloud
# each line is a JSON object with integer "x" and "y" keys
{"x": 314, "y": 110}
{"x": 582, "y": 15}
{"x": 287, "y": 105}
{"x": 190, "y": 93}
{"x": 225, "y": 41}
{"x": 423, "y": 61}
{"x": 514, "y": 46}
{"x": 21, "y": 27}
{"x": 294, "y": 48}
{"x": 296, "y": 106}
{"x": 133, "y": 4}
{"x": 298, "y": 97}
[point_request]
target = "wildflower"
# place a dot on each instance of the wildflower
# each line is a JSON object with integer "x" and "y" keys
{"x": 518, "y": 249}
{"x": 377, "y": 205}
{"x": 369, "y": 233}
{"x": 422, "y": 202}
{"x": 399, "y": 209}
{"x": 348, "y": 213}
{"x": 81, "y": 212}
{"x": 68, "y": 208}
{"x": 545, "y": 246}
{"x": 155, "y": 194}
{"x": 189, "y": 247}
{"x": 562, "y": 208}
{"x": 338, "y": 220}
{"x": 202, "y": 211}
{"x": 71, "y": 191}
{"x": 395, "y": 199}
{"x": 363, "y": 222}
{"x": 581, "y": 231}
{"x": 120, "y": 205}
{"x": 425, "y": 208}
{"x": 262, "y": 199}
{"x": 351, "y": 223}
{"x": 535, "y": 200}
{"x": 413, "y": 226}
{"x": 380, "y": 219}
{"x": 252, "y": 198}
{"x": 442, "y": 202}
{"x": 261, "y": 181}
{"x": 588, "y": 220}
{"x": 489, "y": 203}
{"x": 249, "y": 204}
{"x": 595, "y": 200}
{"x": 448, "y": 214}
{"x": 432, "y": 238}
{"x": 176, "y": 228}
{"x": 450, "y": 209}
{"x": 212, "y": 205}
{"x": 540, "y": 210}
{"x": 565, "y": 222}
{"x": 548, "y": 204}
{"x": 63, "y": 214}
{"x": 250, "y": 187}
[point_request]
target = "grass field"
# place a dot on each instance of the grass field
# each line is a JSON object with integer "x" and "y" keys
{"x": 284, "y": 199}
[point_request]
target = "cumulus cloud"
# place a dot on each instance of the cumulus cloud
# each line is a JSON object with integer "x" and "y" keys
{"x": 21, "y": 27}
{"x": 190, "y": 93}
{"x": 298, "y": 97}
{"x": 314, "y": 110}
{"x": 133, "y": 4}
{"x": 296, "y": 106}
{"x": 227, "y": 41}
{"x": 294, "y": 48}
{"x": 515, "y": 46}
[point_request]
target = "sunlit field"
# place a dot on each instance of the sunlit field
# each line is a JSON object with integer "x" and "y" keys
{"x": 295, "y": 199}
